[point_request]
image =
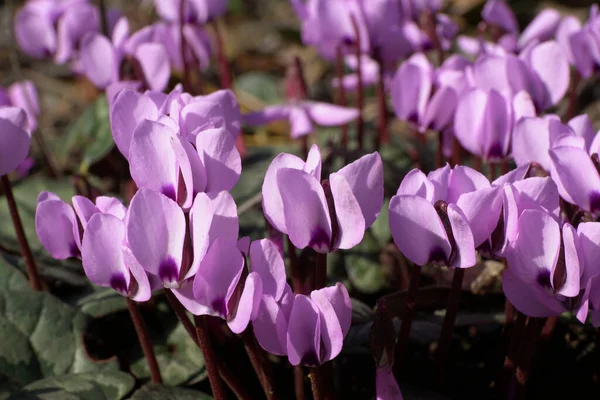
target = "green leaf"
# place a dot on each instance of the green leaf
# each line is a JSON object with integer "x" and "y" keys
{"x": 88, "y": 137}
{"x": 11, "y": 277}
{"x": 26, "y": 193}
{"x": 381, "y": 227}
{"x": 42, "y": 337}
{"x": 261, "y": 86}
{"x": 107, "y": 385}
{"x": 159, "y": 392}
{"x": 102, "y": 302}
{"x": 179, "y": 359}
{"x": 364, "y": 267}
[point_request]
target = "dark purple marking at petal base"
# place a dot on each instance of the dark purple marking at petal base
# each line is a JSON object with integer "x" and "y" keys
{"x": 167, "y": 271}
{"x": 219, "y": 306}
{"x": 311, "y": 359}
{"x": 496, "y": 152}
{"x": 543, "y": 278}
{"x": 320, "y": 240}
{"x": 169, "y": 191}
{"x": 118, "y": 283}
{"x": 595, "y": 202}
{"x": 74, "y": 249}
{"x": 438, "y": 256}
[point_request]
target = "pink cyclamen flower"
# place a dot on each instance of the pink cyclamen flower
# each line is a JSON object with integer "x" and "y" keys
{"x": 580, "y": 43}
{"x": 157, "y": 231}
{"x": 445, "y": 216}
{"x": 195, "y": 11}
{"x": 324, "y": 217}
{"x": 54, "y": 28}
{"x": 369, "y": 69}
{"x": 57, "y": 223}
{"x": 498, "y": 13}
{"x": 303, "y": 115}
{"x": 23, "y": 95}
{"x": 15, "y": 138}
{"x": 100, "y": 58}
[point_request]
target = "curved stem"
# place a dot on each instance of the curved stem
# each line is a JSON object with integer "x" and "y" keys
{"x": 210, "y": 357}
{"x": 144, "y": 339}
{"x": 316, "y": 383}
{"x": 260, "y": 363}
{"x": 359, "y": 85}
{"x": 32, "y": 273}
{"x": 341, "y": 92}
{"x": 448, "y": 326}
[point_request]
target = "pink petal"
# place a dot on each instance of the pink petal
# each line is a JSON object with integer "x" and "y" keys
{"x": 465, "y": 180}
{"x": 304, "y": 332}
{"x": 582, "y": 126}
{"x": 482, "y": 210}
{"x": 267, "y": 115}
{"x": 573, "y": 263}
{"x": 267, "y": 262}
{"x": 300, "y": 123}
{"x": 529, "y": 300}
{"x": 99, "y": 60}
{"x": 155, "y": 64}
{"x": 201, "y": 219}
{"x": 130, "y": 109}
{"x": 416, "y": 183}
{"x": 270, "y": 326}
{"x": 220, "y": 157}
{"x": 307, "y": 218}
{"x": 541, "y": 28}
{"x": 247, "y": 307}
{"x": 417, "y": 230}
{"x": 589, "y": 240}
{"x": 34, "y": 33}
{"x": 365, "y": 177}
{"x": 464, "y": 252}
{"x": 551, "y": 65}
{"x": 56, "y": 227}
{"x": 156, "y": 232}
{"x": 531, "y": 142}
{"x": 14, "y": 143}
{"x": 350, "y": 220}
{"x": 218, "y": 276}
{"x": 325, "y": 114}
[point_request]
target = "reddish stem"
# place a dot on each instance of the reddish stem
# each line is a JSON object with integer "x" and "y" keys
{"x": 341, "y": 92}
{"x": 383, "y": 136}
{"x": 316, "y": 383}
{"x": 448, "y": 326}
{"x": 403, "y": 334}
{"x": 260, "y": 363}
{"x": 359, "y": 86}
{"x": 439, "y": 153}
{"x": 573, "y": 96}
{"x": 210, "y": 357}
{"x": 30, "y": 266}
{"x": 144, "y": 339}
{"x": 320, "y": 270}
{"x": 299, "y": 381}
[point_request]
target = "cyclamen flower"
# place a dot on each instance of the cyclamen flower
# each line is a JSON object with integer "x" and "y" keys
{"x": 580, "y": 43}
{"x": 324, "y": 217}
{"x": 369, "y": 69}
{"x": 54, "y": 28}
{"x": 195, "y": 11}
{"x": 15, "y": 138}
{"x": 444, "y": 216}
{"x": 57, "y": 223}
{"x": 23, "y": 95}
{"x": 157, "y": 231}
{"x": 302, "y": 115}
{"x": 100, "y": 58}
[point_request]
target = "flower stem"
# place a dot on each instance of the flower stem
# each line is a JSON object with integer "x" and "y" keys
{"x": 144, "y": 338}
{"x": 573, "y": 96}
{"x": 297, "y": 276}
{"x": 383, "y": 136}
{"x": 103, "y": 19}
{"x": 439, "y": 152}
{"x": 230, "y": 379}
{"x": 210, "y": 357}
{"x": 359, "y": 86}
{"x": 402, "y": 341}
{"x": 448, "y": 326}
{"x": 187, "y": 86}
{"x": 316, "y": 383}
{"x": 320, "y": 270}
{"x": 32, "y": 273}
{"x": 341, "y": 92}
{"x": 260, "y": 363}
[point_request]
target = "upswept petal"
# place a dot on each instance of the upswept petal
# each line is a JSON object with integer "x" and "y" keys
{"x": 248, "y": 304}
{"x": 56, "y": 226}
{"x": 416, "y": 183}
{"x": 350, "y": 219}
{"x": 130, "y": 108}
{"x": 330, "y": 114}
{"x": 267, "y": 262}
{"x": 221, "y": 159}
{"x": 304, "y": 332}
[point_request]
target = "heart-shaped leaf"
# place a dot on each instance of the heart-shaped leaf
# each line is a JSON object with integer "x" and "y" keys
{"x": 159, "y": 392}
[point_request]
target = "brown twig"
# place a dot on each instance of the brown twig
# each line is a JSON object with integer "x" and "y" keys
{"x": 144, "y": 339}
{"x": 32, "y": 273}
{"x": 573, "y": 95}
{"x": 260, "y": 363}
{"x": 316, "y": 383}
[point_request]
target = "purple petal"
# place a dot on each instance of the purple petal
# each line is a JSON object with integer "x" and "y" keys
{"x": 35, "y": 33}
{"x": 304, "y": 332}
{"x": 497, "y": 12}
{"x": 156, "y": 232}
{"x": 218, "y": 276}
{"x": 267, "y": 115}
{"x": 332, "y": 336}
{"x": 56, "y": 227}
{"x": 300, "y": 122}
{"x": 201, "y": 220}
{"x": 155, "y": 64}
{"x": 523, "y": 106}
{"x": 578, "y": 176}
{"x": 325, "y": 114}
{"x": 589, "y": 240}
{"x": 267, "y": 262}
{"x": 541, "y": 28}
{"x": 350, "y": 220}
{"x": 440, "y": 109}
{"x": 247, "y": 306}
{"x": 531, "y": 142}
{"x": 130, "y": 109}
{"x": 529, "y": 300}
{"x": 534, "y": 253}
{"x": 270, "y": 326}
{"x": 468, "y": 121}
{"x": 416, "y": 183}
{"x": 143, "y": 289}
{"x": 220, "y": 157}
{"x": 465, "y": 180}
{"x": 464, "y": 252}
{"x": 440, "y": 178}
{"x": 482, "y": 210}
{"x": 582, "y": 126}
{"x": 152, "y": 158}
{"x": 410, "y": 91}
{"x": 99, "y": 60}
{"x": 365, "y": 177}
{"x": 417, "y": 230}
{"x": 71, "y": 28}
{"x": 84, "y": 208}
{"x": 111, "y": 205}
{"x": 24, "y": 95}
{"x": 225, "y": 221}
{"x": 271, "y": 197}
{"x": 307, "y": 218}
{"x": 197, "y": 167}
{"x": 14, "y": 142}
{"x": 551, "y": 65}
{"x": 573, "y": 258}
{"x": 102, "y": 253}
{"x": 185, "y": 295}
{"x": 339, "y": 299}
